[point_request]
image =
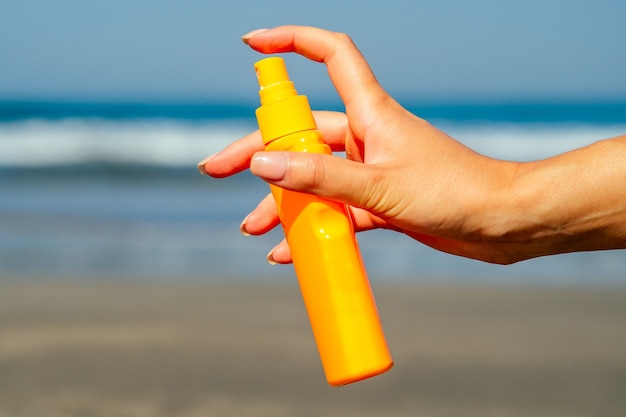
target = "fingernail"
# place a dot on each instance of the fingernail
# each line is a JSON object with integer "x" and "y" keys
{"x": 271, "y": 166}
{"x": 201, "y": 164}
{"x": 242, "y": 226}
{"x": 245, "y": 38}
{"x": 270, "y": 258}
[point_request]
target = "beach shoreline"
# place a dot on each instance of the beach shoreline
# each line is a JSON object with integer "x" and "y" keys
{"x": 140, "y": 348}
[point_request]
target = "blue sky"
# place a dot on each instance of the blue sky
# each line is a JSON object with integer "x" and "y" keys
{"x": 420, "y": 50}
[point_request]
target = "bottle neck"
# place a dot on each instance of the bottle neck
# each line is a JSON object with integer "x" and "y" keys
{"x": 283, "y": 117}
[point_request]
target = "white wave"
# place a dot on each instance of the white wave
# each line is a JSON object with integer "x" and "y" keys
{"x": 32, "y": 143}
{"x": 160, "y": 142}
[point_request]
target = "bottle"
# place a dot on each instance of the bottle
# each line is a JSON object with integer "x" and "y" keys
{"x": 326, "y": 258}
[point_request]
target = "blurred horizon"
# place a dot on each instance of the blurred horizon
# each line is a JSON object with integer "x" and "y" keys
{"x": 552, "y": 110}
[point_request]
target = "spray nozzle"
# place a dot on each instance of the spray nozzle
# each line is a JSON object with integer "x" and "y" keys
{"x": 273, "y": 80}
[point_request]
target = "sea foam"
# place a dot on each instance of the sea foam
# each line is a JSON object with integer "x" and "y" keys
{"x": 170, "y": 143}
{"x": 175, "y": 143}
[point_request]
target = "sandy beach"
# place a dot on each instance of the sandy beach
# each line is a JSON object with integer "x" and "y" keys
{"x": 136, "y": 348}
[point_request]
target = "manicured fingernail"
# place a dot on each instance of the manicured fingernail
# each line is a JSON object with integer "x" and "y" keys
{"x": 271, "y": 166}
{"x": 245, "y": 38}
{"x": 270, "y": 258}
{"x": 202, "y": 163}
{"x": 242, "y": 226}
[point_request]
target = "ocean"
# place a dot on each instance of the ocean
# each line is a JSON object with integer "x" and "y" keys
{"x": 111, "y": 191}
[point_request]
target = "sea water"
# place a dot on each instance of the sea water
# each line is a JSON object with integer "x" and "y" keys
{"x": 93, "y": 190}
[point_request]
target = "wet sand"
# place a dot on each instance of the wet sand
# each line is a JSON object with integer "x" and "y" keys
{"x": 139, "y": 349}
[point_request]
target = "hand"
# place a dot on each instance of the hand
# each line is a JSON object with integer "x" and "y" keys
{"x": 401, "y": 173}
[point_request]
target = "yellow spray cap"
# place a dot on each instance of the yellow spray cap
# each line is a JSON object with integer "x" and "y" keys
{"x": 282, "y": 110}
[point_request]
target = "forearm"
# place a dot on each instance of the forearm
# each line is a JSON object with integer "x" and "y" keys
{"x": 569, "y": 203}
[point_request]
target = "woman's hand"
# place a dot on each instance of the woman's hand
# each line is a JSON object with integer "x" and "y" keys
{"x": 401, "y": 173}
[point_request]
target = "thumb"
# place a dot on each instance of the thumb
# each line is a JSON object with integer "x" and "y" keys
{"x": 327, "y": 176}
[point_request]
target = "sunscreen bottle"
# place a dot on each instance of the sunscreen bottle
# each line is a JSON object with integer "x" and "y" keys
{"x": 333, "y": 281}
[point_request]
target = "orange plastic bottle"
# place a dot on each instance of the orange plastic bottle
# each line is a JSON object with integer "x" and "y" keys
{"x": 327, "y": 261}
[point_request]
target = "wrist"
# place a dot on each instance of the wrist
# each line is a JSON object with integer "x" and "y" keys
{"x": 521, "y": 221}
{"x": 515, "y": 218}
{"x": 568, "y": 203}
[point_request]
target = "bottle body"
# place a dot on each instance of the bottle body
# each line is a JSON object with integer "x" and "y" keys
{"x": 332, "y": 278}
{"x": 320, "y": 234}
